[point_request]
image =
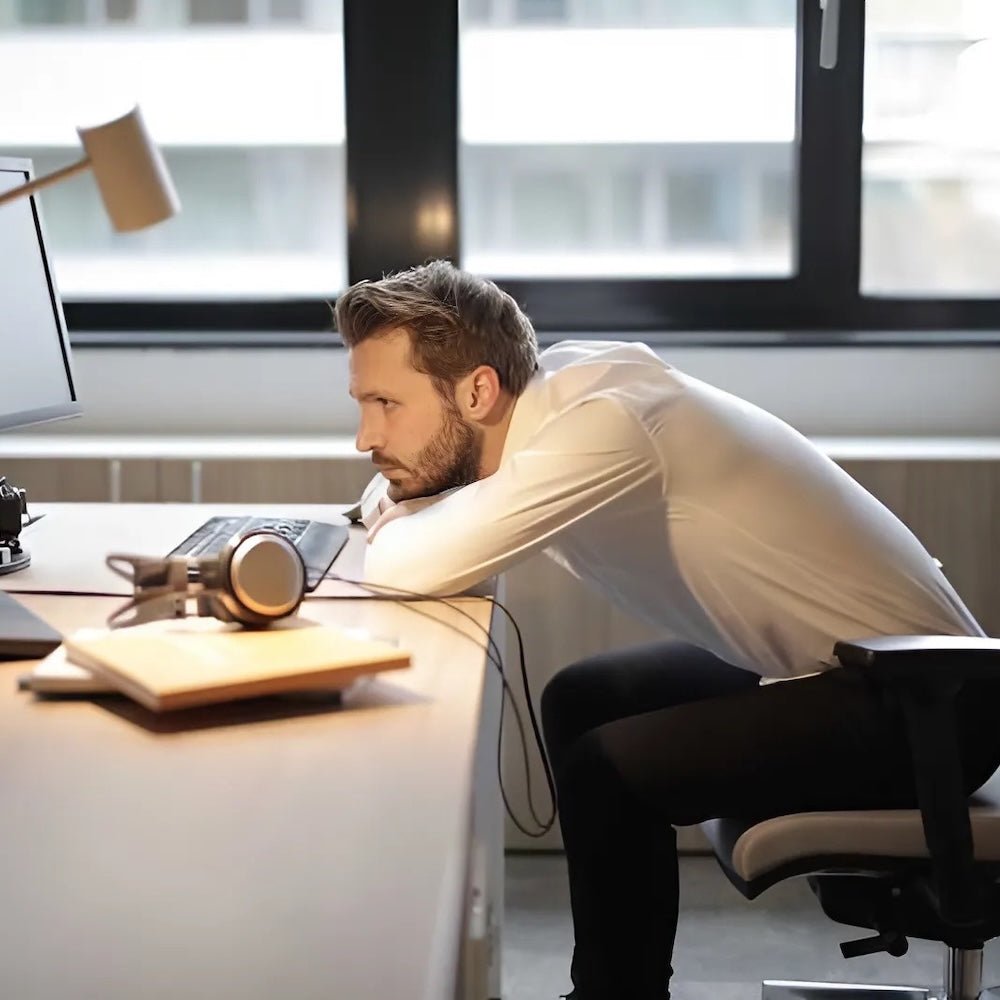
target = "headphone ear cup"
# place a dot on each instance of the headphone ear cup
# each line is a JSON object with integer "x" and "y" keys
{"x": 263, "y": 578}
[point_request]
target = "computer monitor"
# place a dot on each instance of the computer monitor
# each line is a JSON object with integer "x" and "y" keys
{"x": 36, "y": 376}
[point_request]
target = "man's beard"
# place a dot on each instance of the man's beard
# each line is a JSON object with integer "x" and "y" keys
{"x": 450, "y": 459}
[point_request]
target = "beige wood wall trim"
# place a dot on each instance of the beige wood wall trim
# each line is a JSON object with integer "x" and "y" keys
{"x": 954, "y": 509}
{"x": 81, "y": 479}
{"x": 152, "y": 480}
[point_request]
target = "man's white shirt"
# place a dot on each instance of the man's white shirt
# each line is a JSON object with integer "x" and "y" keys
{"x": 690, "y": 507}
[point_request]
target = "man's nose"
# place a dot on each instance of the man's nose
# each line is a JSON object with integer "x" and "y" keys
{"x": 368, "y": 438}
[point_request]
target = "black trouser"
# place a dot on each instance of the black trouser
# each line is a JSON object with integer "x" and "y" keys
{"x": 670, "y": 734}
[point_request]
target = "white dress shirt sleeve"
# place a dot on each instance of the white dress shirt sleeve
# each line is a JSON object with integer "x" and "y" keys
{"x": 580, "y": 462}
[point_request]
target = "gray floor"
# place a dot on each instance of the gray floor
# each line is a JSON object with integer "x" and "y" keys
{"x": 725, "y": 945}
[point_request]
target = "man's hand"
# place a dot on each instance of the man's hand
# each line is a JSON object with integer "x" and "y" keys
{"x": 374, "y": 500}
{"x": 389, "y": 511}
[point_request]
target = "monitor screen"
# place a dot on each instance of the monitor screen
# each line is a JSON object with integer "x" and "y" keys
{"x": 36, "y": 377}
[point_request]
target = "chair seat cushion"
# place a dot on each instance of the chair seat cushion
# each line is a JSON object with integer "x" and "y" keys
{"x": 756, "y": 855}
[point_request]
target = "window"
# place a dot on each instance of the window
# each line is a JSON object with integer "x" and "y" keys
{"x": 120, "y": 10}
{"x": 775, "y": 193}
{"x": 549, "y": 210}
{"x": 218, "y": 11}
{"x": 250, "y": 119}
{"x": 617, "y": 13}
{"x": 52, "y": 11}
{"x": 626, "y": 195}
{"x": 693, "y": 103}
{"x": 931, "y": 167}
{"x": 541, "y": 10}
{"x": 245, "y": 11}
{"x": 646, "y": 167}
{"x": 695, "y": 208}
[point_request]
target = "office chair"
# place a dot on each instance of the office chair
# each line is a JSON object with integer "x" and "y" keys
{"x": 931, "y": 872}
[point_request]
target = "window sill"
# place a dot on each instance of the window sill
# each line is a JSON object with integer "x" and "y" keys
{"x": 327, "y": 339}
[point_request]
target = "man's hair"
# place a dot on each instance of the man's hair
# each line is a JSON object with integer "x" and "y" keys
{"x": 456, "y": 322}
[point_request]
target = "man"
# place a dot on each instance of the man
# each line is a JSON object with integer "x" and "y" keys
{"x": 696, "y": 511}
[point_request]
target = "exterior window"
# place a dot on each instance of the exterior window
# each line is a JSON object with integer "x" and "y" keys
{"x": 550, "y": 211}
{"x": 120, "y": 10}
{"x": 634, "y": 117}
{"x": 52, "y": 12}
{"x": 625, "y": 210}
{"x": 218, "y": 11}
{"x": 645, "y": 167}
{"x": 257, "y": 157}
{"x": 541, "y": 10}
{"x": 931, "y": 154}
{"x": 774, "y": 193}
{"x": 695, "y": 212}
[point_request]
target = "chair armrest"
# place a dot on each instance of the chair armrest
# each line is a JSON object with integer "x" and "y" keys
{"x": 923, "y": 675}
{"x": 958, "y": 657}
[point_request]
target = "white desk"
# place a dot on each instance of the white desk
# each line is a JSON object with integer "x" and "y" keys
{"x": 280, "y": 848}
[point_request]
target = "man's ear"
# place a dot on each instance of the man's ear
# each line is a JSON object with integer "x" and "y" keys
{"x": 478, "y": 393}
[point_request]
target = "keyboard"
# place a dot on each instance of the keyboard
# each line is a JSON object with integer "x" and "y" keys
{"x": 318, "y": 543}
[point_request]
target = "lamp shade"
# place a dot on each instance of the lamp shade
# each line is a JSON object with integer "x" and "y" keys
{"x": 133, "y": 180}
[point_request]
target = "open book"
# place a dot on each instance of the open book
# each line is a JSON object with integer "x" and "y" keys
{"x": 178, "y": 663}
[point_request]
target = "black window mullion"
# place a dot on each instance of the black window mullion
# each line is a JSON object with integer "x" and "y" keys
{"x": 401, "y": 64}
{"x": 829, "y": 128}
{"x": 637, "y": 305}
{"x": 86, "y": 318}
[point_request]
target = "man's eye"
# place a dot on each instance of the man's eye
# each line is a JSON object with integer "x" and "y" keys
{"x": 382, "y": 401}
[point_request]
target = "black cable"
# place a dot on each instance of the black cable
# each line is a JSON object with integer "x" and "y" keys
{"x": 508, "y": 694}
{"x": 546, "y": 825}
{"x": 403, "y": 597}
{"x": 493, "y": 655}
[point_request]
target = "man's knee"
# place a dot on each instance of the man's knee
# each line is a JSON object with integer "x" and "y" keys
{"x": 563, "y": 701}
{"x": 554, "y": 695}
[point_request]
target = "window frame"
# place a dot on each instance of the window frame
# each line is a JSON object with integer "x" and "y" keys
{"x": 819, "y": 304}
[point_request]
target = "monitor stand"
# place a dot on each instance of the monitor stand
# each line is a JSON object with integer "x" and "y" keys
{"x": 23, "y": 635}
{"x": 14, "y": 519}
{"x": 18, "y": 560}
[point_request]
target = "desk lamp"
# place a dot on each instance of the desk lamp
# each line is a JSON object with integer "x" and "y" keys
{"x": 133, "y": 180}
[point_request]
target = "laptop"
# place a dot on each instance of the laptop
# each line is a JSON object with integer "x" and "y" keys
{"x": 23, "y": 635}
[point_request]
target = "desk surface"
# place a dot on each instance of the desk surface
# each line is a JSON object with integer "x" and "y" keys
{"x": 283, "y": 847}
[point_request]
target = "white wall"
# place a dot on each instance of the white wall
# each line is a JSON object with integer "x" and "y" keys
{"x": 822, "y": 391}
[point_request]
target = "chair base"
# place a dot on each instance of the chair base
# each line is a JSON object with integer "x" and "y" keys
{"x": 784, "y": 989}
{"x": 780, "y": 989}
{"x": 963, "y": 972}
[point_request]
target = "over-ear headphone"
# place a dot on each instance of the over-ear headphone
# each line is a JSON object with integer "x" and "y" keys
{"x": 257, "y": 578}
